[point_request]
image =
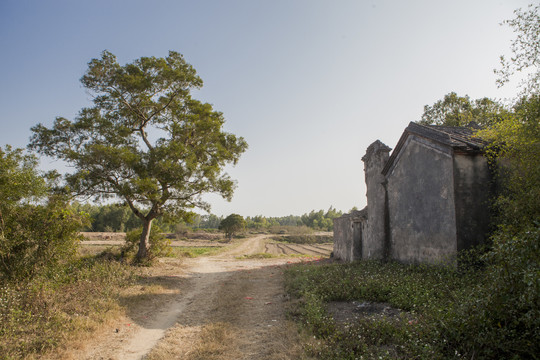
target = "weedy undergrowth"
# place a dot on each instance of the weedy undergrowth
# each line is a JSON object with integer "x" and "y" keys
{"x": 423, "y": 294}
{"x": 38, "y": 315}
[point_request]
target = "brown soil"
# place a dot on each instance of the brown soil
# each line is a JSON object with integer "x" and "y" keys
{"x": 227, "y": 306}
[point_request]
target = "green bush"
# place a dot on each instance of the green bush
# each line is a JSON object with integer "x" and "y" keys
{"x": 38, "y": 237}
{"x": 501, "y": 319}
{"x": 160, "y": 246}
{"x": 36, "y": 233}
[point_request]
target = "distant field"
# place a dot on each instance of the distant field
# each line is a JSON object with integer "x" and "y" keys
{"x": 102, "y": 240}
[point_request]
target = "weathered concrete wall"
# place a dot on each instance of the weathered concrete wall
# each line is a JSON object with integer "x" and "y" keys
{"x": 373, "y": 243}
{"x": 421, "y": 212}
{"x": 472, "y": 180}
{"x": 348, "y": 231}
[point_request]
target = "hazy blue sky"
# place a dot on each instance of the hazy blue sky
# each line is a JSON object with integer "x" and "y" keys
{"x": 308, "y": 83}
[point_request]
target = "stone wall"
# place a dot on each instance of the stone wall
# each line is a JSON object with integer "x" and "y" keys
{"x": 377, "y": 155}
{"x": 348, "y": 231}
{"x": 421, "y": 209}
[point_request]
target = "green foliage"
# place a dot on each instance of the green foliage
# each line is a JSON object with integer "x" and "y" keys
{"x": 316, "y": 220}
{"x": 110, "y": 147}
{"x": 456, "y": 110}
{"x": 160, "y": 246}
{"x": 232, "y": 224}
{"x": 192, "y": 251}
{"x": 209, "y": 221}
{"x": 515, "y": 143}
{"x": 501, "y": 319}
{"x": 525, "y": 49}
{"x": 320, "y": 220}
{"x": 116, "y": 218}
{"x": 19, "y": 179}
{"x": 33, "y": 237}
{"x": 38, "y": 237}
{"x": 109, "y": 218}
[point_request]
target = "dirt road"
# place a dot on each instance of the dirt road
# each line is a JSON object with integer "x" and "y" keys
{"x": 227, "y": 306}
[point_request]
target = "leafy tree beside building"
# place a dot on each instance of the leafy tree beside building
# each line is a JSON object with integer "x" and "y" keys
{"x": 454, "y": 110}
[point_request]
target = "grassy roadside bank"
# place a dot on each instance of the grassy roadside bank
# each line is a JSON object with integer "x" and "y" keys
{"x": 63, "y": 305}
{"x": 373, "y": 310}
{"x": 61, "y": 308}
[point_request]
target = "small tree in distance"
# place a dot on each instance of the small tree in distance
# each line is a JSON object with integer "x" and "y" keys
{"x": 232, "y": 224}
{"x": 145, "y": 141}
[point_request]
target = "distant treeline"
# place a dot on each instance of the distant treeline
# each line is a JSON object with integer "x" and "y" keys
{"x": 119, "y": 218}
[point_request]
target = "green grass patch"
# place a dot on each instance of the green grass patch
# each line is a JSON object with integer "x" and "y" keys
{"x": 425, "y": 294}
{"x": 194, "y": 251}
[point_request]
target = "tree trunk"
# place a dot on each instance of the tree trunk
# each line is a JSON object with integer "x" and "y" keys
{"x": 144, "y": 242}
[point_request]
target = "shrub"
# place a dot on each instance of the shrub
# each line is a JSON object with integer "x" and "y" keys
{"x": 33, "y": 237}
{"x": 159, "y": 244}
{"x": 181, "y": 231}
{"x": 37, "y": 238}
{"x": 501, "y": 319}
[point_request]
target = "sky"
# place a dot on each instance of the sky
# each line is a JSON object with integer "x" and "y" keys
{"x": 309, "y": 84}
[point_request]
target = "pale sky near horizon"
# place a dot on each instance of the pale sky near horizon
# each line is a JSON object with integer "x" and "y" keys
{"x": 308, "y": 83}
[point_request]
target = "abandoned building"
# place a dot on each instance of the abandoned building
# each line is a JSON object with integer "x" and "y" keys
{"x": 426, "y": 201}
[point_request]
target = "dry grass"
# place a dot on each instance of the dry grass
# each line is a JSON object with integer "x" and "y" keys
{"x": 203, "y": 342}
{"x": 241, "y": 317}
{"x": 231, "y": 314}
{"x": 113, "y": 236}
{"x": 93, "y": 250}
{"x": 40, "y": 318}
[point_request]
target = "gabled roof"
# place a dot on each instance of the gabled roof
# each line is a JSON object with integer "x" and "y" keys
{"x": 458, "y": 138}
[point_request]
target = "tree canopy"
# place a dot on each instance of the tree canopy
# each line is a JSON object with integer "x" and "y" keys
{"x": 454, "y": 110}
{"x": 145, "y": 140}
{"x": 232, "y": 224}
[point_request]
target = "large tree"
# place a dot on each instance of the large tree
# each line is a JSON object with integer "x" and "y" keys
{"x": 145, "y": 140}
{"x": 455, "y": 110}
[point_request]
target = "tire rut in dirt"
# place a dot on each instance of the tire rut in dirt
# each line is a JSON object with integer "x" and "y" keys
{"x": 282, "y": 248}
{"x": 245, "y": 309}
{"x": 307, "y": 250}
{"x": 329, "y": 247}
